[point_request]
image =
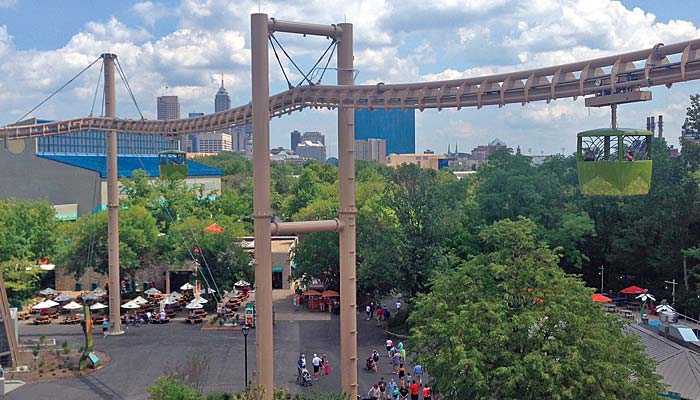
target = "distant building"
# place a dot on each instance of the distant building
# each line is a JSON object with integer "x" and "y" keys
{"x": 282, "y": 251}
{"x": 242, "y": 139}
{"x": 428, "y": 161}
{"x": 190, "y": 143}
{"x": 222, "y": 101}
{"x": 214, "y": 142}
{"x": 314, "y": 150}
{"x": 296, "y": 139}
{"x": 397, "y": 127}
{"x": 482, "y": 153}
{"x": 470, "y": 162}
{"x": 371, "y": 150}
{"x": 285, "y": 156}
{"x": 314, "y": 137}
{"x": 168, "y": 107}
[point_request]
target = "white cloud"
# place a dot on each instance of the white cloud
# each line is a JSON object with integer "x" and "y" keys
{"x": 150, "y": 12}
{"x": 116, "y": 31}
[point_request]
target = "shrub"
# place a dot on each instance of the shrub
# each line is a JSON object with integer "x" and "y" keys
{"x": 168, "y": 388}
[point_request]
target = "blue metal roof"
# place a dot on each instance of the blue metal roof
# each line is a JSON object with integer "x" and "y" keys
{"x": 126, "y": 165}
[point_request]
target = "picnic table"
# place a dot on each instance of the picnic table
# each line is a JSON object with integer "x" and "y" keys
{"x": 42, "y": 320}
{"x": 610, "y": 308}
{"x": 627, "y": 314}
{"x": 159, "y": 321}
{"x": 70, "y": 320}
{"x": 200, "y": 313}
{"x": 22, "y": 315}
{"x": 194, "y": 320}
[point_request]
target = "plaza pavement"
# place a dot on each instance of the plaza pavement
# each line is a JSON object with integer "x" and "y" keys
{"x": 142, "y": 354}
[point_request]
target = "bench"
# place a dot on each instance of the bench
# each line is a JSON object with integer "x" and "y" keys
{"x": 195, "y": 320}
{"x": 42, "y": 320}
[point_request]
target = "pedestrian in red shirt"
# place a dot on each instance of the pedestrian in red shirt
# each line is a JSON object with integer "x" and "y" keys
{"x": 415, "y": 390}
{"x": 379, "y": 315}
{"x": 427, "y": 392}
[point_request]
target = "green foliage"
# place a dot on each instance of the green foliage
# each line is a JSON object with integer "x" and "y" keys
{"x": 510, "y": 323}
{"x": 27, "y": 230}
{"x": 692, "y": 119}
{"x": 21, "y": 279}
{"x": 168, "y": 388}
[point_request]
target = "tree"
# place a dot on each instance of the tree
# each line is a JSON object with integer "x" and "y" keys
{"x": 27, "y": 230}
{"x": 511, "y": 324}
{"x": 692, "y": 119}
{"x": 21, "y": 279}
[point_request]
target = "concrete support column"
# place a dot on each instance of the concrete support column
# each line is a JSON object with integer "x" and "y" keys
{"x": 262, "y": 211}
{"x": 347, "y": 211}
{"x": 112, "y": 199}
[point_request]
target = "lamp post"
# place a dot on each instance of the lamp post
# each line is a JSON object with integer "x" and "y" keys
{"x": 673, "y": 294}
{"x": 602, "y": 277}
{"x": 245, "y": 352}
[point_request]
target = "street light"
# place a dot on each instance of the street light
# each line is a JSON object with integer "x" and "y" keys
{"x": 245, "y": 351}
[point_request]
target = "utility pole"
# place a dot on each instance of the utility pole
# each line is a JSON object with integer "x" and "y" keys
{"x": 673, "y": 291}
{"x": 602, "y": 277}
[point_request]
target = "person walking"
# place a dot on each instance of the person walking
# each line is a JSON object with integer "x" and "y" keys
{"x": 390, "y": 389}
{"x": 403, "y": 392}
{"x": 389, "y": 345}
{"x": 427, "y": 392}
{"x": 382, "y": 388}
{"x": 398, "y": 306}
{"x": 368, "y": 309}
{"x": 379, "y": 315}
{"x": 105, "y": 327}
{"x": 316, "y": 362}
{"x": 327, "y": 366}
{"x": 374, "y": 392}
{"x": 396, "y": 359}
{"x": 402, "y": 374}
{"x": 418, "y": 373}
{"x": 395, "y": 391}
{"x": 375, "y": 360}
{"x": 415, "y": 390}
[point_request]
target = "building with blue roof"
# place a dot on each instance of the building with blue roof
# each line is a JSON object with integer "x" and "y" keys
{"x": 70, "y": 171}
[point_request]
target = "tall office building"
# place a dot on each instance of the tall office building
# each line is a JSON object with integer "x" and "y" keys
{"x": 168, "y": 107}
{"x": 241, "y": 138}
{"x": 314, "y": 150}
{"x": 296, "y": 139}
{"x": 314, "y": 137}
{"x": 190, "y": 143}
{"x": 371, "y": 150}
{"x": 397, "y": 127}
{"x": 222, "y": 101}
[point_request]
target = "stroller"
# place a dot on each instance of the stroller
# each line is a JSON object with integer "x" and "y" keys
{"x": 304, "y": 377}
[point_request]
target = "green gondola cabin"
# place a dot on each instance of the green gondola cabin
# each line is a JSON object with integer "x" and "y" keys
{"x": 173, "y": 164}
{"x": 614, "y": 162}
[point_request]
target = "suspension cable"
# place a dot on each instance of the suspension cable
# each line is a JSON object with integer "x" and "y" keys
{"x": 289, "y": 84}
{"x": 58, "y": 90}
{"x": 290, "y": 59}
{"x": 306, "y": 77}
{"x": 97, "y": 88}
{"x": 122, "y": 75}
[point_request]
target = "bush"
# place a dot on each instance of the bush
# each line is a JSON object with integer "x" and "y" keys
{"x": 398, "y": 323}
{"x": 167, "y": 388}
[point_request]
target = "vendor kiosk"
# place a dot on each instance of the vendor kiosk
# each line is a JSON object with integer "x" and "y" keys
{"x": 250, "y": 314}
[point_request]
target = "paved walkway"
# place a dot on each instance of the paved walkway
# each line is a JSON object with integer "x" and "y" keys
{"x": 142, "y": 354}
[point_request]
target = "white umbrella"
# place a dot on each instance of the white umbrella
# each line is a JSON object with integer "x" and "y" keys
{"x": 62, "y": 297}
{"x": 152, "y": 291}
{"x": 98, "y": 306}
{"x": 200, "y": 300}
{"x": 187, "y": 286}
{"x": 47, "y": 292}
{"x": 175, "y": 295}
{"x": 99, "y": 292}
{"x": 140, "y": 300}
{"x": 72, "y": 306}
{"x": 168, "y": 301}
{"x": 241, "y": 283}
{"x": 130, "y": 305}
{"x": 47, "y": 267}
{"x": 665, "y": 308}
{"x": 91, "y": 297}
{"x": 646, "y": 297}
{"x": 209, "y": 290}
{"x": 45, "y": 304}
{"x": 194, "y": 306}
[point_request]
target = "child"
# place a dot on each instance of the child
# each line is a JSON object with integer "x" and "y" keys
{"x": 326, "y": 365}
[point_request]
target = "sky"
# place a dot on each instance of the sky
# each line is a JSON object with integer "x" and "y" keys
{"x": 182, "y": 48}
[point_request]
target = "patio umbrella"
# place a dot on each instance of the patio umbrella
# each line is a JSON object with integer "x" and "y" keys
{"x": 175, "y": 295}
{"x": 187, "y": 286}
{"x": 665, "y": 308}
{"x": 130, "y": 305}
{"x": 330, "y": 293}
{"x": 168, "y": 301}
{"x": 139, "y": 300}
{"x": 47, "y": 292}
{"x": 72, "y": 306}
{"x": 633, "y": 290}
{"x": 230, "y": 295}
{"x": 62, "y": 297}
{"x": 47, "y": 267}
{"x": 200, "y": 300}
{"x": 45, "y": 304}
{"x": 209, "y": 291}
{"x": 644, "y": 297}
{"x": 194, "y": 306}
{"x": 99, "y": 292}
{"x": 599, "y": 298}
{"x": 98, "y": 306}
{"x": 152, "y": 291}
{"x": 311, "y": 293}
{"x": 241, "y": 283}
{"x": 91, "y": 297}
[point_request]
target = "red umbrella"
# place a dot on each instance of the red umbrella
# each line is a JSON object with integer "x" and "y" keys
{"x": 633, "y": 290}
{"x": 213, "y": 228}
{"x": 311, "y": 293}
{"x": 599, "y": 298}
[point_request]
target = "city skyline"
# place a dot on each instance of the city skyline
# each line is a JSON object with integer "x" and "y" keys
{"x": 181, "y": 48}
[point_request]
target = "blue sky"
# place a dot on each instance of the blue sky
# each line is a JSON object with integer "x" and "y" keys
{"x": 182, "y": 47}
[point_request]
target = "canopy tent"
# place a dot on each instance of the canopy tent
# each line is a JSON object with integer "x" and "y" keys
{"x": 139, "y": 300}
{"x": 47, "y": 292}
{"x": 311, "y": 293}
{"x": 194, "y": 306}
{"x": 62, "y": 297}
{"x": 330, "y": 293}
{"x": 45, "y": 304}
{"x": 186, "y": 286}
{"x": 213, "y": 228}
{"x": 98, "y": 306}
{"x": 72, "y": 306}
{"x": 241, "y": 283}
{"x": 152, "y": 291}
{"x": 633, "y": 290}
{"x": 599, "y": 298}
{"x": 131, "y": 305}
